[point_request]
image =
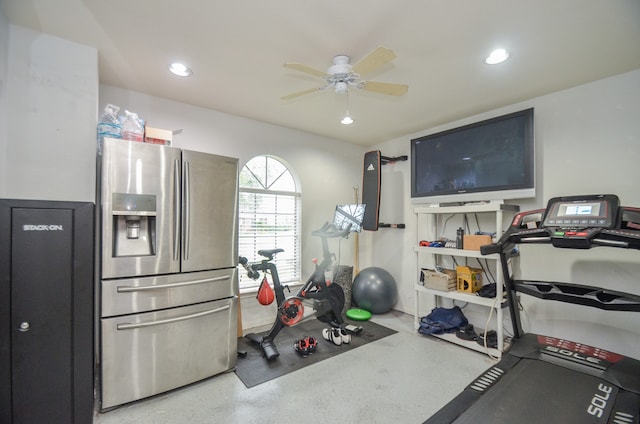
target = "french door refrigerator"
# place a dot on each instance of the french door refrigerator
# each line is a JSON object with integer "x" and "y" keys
{"x": 169, "y": 284}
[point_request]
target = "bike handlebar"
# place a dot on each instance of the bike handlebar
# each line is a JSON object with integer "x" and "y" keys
{"x": 326, "y": 231}
{"x": 331, "y": 231}
{"x": 251, "y": 273}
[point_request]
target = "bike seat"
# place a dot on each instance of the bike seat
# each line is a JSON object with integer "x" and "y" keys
{"x": 268, "y": 253}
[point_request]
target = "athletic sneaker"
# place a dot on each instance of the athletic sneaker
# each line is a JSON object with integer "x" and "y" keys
{"x": 346, "y": 337}
{"x": 466, "y": 332}
{"x": 332, "y": 335}
{"x": 306, "y": 345}
{"x": 492, "y": 339}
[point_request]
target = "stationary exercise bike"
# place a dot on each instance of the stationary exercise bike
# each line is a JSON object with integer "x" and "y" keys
{"x": 326, "y": 299}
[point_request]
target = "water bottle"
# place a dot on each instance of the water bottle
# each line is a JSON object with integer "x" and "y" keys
{"x": 132, "y": 127}
{"x": 459, "y": 238}
{"x": 108, "y": 125}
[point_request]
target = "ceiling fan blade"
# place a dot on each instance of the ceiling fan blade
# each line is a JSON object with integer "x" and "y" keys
{"x": 306, "y": 69}
{"x": 299, "y": 93}
{"x": 386, "y": 88}
{"x": 374, "y": 60}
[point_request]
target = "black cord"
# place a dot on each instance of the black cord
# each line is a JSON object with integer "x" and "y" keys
{"x": 487, "y": 271}
{"x": 337, "y": 264}
{"x": 461, "y": 307}
{"x": 465, "y": 224}
{"x": 477, "y": 222}
{"x": 444, "y": 225}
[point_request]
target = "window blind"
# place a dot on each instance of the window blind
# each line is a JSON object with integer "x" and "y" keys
{"x": 269, "y": 220}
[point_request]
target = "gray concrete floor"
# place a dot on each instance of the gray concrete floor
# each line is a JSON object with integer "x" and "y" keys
{"x": 403, "y": 378}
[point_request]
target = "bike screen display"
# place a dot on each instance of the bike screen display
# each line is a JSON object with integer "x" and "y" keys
{"x": 349, "y": 214}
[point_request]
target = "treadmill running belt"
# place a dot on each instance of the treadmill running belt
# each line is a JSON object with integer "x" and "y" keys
{"x": 540, "y": 392}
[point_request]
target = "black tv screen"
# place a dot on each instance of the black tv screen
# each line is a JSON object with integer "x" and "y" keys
{"x": 487, "y": 160}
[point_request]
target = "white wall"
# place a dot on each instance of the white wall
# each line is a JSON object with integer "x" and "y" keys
{"x": 49, "y": 102}
{"x": 587, "y": 141}
{"x": 326, "y": 168}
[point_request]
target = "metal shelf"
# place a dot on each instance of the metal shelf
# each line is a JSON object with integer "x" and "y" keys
{"x": 463, "y": 297}
{"x": 477, "y": 208}
{"x": 456, "y": 252}
{"x": 452, "y": 338}
{"x": 428, "y": 226}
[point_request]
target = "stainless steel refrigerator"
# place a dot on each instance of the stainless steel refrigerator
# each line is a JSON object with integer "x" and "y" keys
{"x": 169, "y": 284}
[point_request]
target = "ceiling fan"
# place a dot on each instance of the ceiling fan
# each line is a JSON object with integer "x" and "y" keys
{"x": 342, "y": 75}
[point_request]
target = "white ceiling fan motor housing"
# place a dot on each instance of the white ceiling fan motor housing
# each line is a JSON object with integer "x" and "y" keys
{"x": 340, "y": 74}
{"x": 340, "y": 65}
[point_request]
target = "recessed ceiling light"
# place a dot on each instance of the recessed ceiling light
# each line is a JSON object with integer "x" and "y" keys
{"x": 180, "y": 69}
{"x": 497, "y": 56}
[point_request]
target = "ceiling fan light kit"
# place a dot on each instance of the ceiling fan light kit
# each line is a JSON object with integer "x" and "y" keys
{"x": 341, "y": 87}
{"x": 347, "y": 120}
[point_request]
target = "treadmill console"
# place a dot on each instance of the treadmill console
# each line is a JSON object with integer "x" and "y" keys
{"x": 574, "y": 221}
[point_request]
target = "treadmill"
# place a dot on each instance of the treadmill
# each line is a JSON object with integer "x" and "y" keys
{"x": 545, "y": 379}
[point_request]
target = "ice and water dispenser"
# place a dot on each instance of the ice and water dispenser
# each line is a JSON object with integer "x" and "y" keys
{"x": 134, "y": 224}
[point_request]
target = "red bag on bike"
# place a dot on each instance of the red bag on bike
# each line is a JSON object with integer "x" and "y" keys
{"x": 265, "y": 293}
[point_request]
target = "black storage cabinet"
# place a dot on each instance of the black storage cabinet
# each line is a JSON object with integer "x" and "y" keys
{"x": 46, "y": 311}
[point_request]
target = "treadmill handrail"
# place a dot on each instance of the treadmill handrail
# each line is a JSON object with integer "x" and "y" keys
{"x": 580, "y": 294}
{"x": 627, "y": 237}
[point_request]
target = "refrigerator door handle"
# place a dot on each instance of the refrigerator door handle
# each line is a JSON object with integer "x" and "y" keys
{"x": 187, "y": 212}
{"x": 176, "y": 210}
{"x": 128, "y": 289}
{"x": 171, "y": 320}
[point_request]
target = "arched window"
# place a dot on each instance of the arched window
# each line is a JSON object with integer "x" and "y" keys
{"x": 269, "y": 217}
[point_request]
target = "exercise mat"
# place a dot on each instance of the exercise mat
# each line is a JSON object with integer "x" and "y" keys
{"x": 254, "y": 369}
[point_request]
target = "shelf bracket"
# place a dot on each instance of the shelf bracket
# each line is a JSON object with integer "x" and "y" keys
{"x": 383, "y": 225}
{"x": 384, "y": 160}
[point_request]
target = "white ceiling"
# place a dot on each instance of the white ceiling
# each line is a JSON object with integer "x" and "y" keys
{"x": 237, "y": 48}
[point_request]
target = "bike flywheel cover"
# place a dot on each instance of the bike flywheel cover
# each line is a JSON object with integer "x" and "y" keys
{"x": 291, "y": 311}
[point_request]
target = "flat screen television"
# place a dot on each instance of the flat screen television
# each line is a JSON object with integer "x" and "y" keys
{"x": 483, "y": 161}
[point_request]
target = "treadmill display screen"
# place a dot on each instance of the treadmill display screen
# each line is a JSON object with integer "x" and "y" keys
{"x": 580, "y": 213}
{"x": 585, "y": 209}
